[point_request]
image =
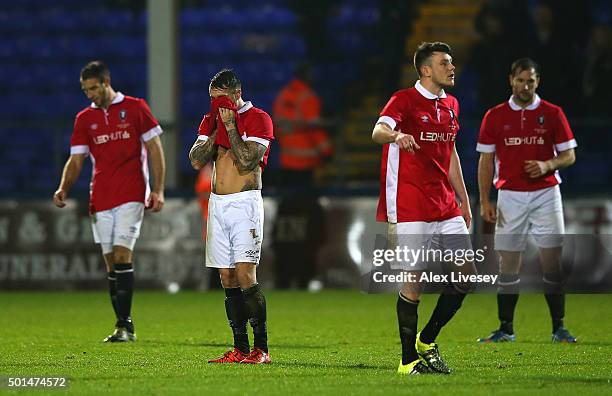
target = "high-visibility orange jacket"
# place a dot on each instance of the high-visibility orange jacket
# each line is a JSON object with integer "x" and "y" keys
{"x": 302, "y": 147}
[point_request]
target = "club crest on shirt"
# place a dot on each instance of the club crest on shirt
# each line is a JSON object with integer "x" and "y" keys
{"x": 122, "y": 114}
{"x": 425, "y": 118}
{"x": 93, "y": 127}
{"x": 452, "y": 114}
{"x": 541, "y": 120}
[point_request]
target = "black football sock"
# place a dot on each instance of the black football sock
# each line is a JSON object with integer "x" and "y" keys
{"x": 236, "y": 315}
{"x": 555, "y": 297}
{"x": 255, "y": 303}
{"x": 448, "y": 304}
{"x": 507, "y": 297}
{"x": 505, "y": 311}
{"x": 556, "y": 306}
{"x": 125, "y": 291}
{"x": 112, "y": 289}
{"x": 407, "y": 318}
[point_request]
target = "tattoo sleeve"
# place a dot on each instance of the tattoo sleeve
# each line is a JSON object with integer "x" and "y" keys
{"x": 203, "y": 151}
{"x": 248, "y": 154}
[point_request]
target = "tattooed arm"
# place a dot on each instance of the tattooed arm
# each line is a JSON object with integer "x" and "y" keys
{"x": 203, "y": 151}
{"x": 248, "y": 154}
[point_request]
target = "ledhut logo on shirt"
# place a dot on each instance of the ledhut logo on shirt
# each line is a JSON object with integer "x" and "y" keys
{"x": 122, "y": 114}
{"x": 541, "y": 120}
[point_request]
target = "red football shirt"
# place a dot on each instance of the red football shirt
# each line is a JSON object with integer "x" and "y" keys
{"x": 416, "y": 187}
{"x": 115, "y": 140}
{"x": 257, "y": 126}
{"x": 515, "y": 135}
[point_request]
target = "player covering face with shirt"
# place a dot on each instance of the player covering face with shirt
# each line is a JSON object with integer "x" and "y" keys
{"x": 236, "y": 137}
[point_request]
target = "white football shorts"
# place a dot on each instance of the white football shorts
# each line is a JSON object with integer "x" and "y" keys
{"x": 425, "y": 242}
{"x": 234, "y": 231}
{"x": 520, "y": 213}
{"x": 119, "y": 226}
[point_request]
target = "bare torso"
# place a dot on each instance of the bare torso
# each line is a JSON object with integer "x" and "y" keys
{"x": 228, "y": 179}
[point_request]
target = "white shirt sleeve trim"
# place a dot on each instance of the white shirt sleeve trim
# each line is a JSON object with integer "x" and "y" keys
{"x": 485, "y": 148}
{"x": 151, "y": 133}
{"x": 203, "y": 137}
{"x": 261, "y": 141}
{"x": 570, "y": 144}
{"x": 387, "y": 120}
{"x": 79, "y": 150}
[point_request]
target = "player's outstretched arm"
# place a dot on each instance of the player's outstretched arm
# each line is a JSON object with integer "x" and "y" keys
{"x": 203, "y": 151}
{"x": 70, "y": 174}
{"x": 248, "y": 154}
{"x": 455, "y": 174}
{"x": 485, "y": 180}
{"x": 158, "y": 166}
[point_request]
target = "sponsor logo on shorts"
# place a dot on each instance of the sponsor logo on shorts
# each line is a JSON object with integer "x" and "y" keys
{"x": 252, "y": 254}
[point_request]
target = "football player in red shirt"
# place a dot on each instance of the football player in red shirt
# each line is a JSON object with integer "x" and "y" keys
{"x": 420, "y": 180}
{"x": 119, "y": 133}
{"x": 236, "y": 136}
{"x": 529, "y": 139}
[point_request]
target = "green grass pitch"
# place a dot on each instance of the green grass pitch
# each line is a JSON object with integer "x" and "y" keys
{"x": 333, "y": 342}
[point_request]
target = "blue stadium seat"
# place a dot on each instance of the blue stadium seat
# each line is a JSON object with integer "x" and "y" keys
{"x": 198, "y": 46}
{"x": 7, "y": 184}
{"x": 56, "y": 19}
{"x": 8, "y": 47}
{"x": 198, "y": 74}
{"x": 354, "y": 16}
{"x": 293, "y": 45}
{"x": 15, "y": 22}
{"x": 129, "y": 76}
{"x": 194, "y": 103}
{"x": 220, "y": 19}
{"x": 262, "y": 99}
{"x": 118, "y": 46}
{"x": 269, "y": 17}
{"x": 257, "y": 74}
{"x": 72, "y": 46}
{"x": 349, "y": 43}
{"x": 37, "y": 48}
